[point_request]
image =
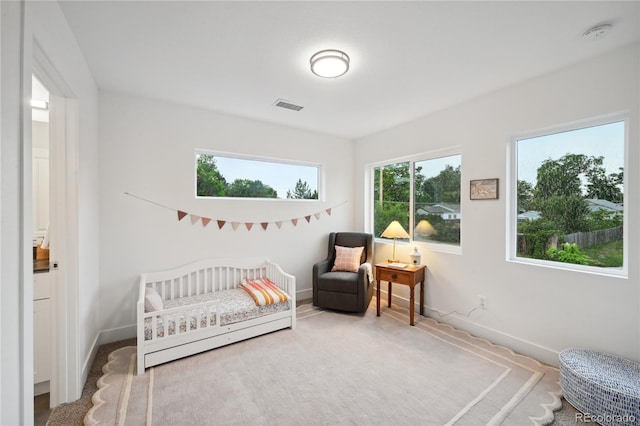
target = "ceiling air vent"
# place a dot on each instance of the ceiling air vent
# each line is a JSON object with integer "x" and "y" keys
{"x": 287, "y": 105}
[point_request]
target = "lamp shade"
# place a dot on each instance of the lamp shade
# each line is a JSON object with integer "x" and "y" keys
{"x": 394, "y": 230}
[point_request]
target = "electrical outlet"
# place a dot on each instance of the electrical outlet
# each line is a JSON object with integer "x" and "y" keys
{"x": 482, "y": 302}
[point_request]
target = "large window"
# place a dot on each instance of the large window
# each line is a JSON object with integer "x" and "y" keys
{"x": 570, "y": 196}
{"x": 423, "y": 195}
{"x": 240, "y": 177}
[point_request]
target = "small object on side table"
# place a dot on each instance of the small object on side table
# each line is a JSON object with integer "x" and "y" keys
{"x": 416, "y": 257}
{"x": 410, "y": 276}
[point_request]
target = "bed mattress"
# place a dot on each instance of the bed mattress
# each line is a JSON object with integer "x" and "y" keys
{"x": 234, "y": 305}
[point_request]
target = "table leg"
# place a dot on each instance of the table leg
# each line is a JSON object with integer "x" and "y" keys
{"x": 422, "y": 298}
{"x": 378, "y": 298}
{"x": 389, "y": 294}
{"x": 411, "y": 303}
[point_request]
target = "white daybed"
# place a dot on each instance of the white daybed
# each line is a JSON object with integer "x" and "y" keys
{"x": 201, "y": 306}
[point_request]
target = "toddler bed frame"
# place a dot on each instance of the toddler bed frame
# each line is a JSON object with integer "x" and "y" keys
{"x": 204, "y": 332}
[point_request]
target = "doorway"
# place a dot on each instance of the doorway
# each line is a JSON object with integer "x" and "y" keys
{"x": 62, "y": 234}
{"x": 43, "y": 334}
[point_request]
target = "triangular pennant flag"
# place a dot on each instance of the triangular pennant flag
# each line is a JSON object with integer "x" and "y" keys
{"x": 328, "y": 211}
{"x": 279, "y": 224}
{"x": 234, "y": 225}
{"x": 249, "y": 225}
{"x": 264, "y": 225}
{"x": 308, "y": 218}
{"x": 317, "y": 215}
{"x": 181, "y": 215}
{"x": 221, "y": 224}
{"x": 194, "y": 219}
{"x": 205, "y": 221}
{"x": 294, "y": 221}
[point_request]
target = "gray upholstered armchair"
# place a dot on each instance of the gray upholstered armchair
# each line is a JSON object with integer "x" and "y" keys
{"x": 340, "y": 290}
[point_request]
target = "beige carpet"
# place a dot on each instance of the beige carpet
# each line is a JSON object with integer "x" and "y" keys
{"x": 335, "y": 369}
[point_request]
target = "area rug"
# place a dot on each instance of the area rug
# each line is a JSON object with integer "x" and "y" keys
{"x": 335, "y": 369}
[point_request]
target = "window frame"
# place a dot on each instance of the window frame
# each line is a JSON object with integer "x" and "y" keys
{"x": 412, "y": 159}
{"x": 273, "y": 160}
{"x": 512, "y": 204}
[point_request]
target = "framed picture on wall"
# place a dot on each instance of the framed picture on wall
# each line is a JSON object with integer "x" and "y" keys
{"x": 484, "y": 189}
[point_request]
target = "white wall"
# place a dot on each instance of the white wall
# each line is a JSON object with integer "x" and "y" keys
{"x": 534, "y": 310}
{"x": 22, "y": 23}
{"x": 147, "y": 148}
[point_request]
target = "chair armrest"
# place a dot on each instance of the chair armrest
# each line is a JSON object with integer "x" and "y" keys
{"x": 320, "y": 268}
{"x": 365, "y": 272}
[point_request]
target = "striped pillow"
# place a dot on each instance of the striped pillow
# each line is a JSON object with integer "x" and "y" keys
{"x": 264, "y": 291}
{"x": 347, "y": 259}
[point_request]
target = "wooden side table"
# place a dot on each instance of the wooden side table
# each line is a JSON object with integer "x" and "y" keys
{"x": 411, "y": 275}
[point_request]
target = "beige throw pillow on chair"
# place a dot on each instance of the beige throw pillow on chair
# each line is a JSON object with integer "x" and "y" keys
{"x": 347, "y": 259}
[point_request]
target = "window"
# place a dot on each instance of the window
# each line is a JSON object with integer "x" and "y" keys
{"x": 569, "y": 201}
{"x": 437, "y": 212}
{"x": 423, "y": 195}
{"x": 391, "y": 189}
{"x": 226, "y": 175}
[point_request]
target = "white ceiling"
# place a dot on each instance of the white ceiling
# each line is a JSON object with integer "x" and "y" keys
{"x": 407, "y": 58}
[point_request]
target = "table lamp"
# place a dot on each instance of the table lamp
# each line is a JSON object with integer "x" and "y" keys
{"x": 394, "y": 230}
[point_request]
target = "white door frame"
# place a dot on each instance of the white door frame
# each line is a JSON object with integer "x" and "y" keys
{"x": 65, "y": 384}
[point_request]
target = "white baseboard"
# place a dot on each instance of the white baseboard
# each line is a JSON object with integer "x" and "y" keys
{"x": 516, "y": 344}
{"x": 304, "y": 294}
{"x": 41, "y": 388}
{"x": 105, "y": 336}
{"x": 88, "y": 362}
{"x": 116, "y": 334}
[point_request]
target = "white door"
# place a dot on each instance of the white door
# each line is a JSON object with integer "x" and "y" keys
{"x": 65, "y": 383}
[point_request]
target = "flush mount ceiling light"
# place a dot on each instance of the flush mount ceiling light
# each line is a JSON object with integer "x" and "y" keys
{"x": 330, "y": 63}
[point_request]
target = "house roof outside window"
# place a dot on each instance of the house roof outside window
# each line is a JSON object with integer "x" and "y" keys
{"x": 596, "y": 205}
{"x": 440, "y": 209}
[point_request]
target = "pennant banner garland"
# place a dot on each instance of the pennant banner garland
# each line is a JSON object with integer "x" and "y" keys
{"x": 248, "y": 225}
